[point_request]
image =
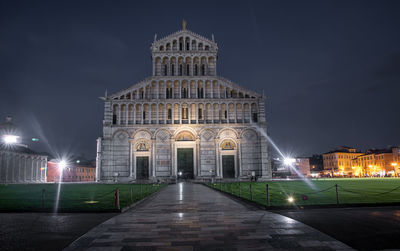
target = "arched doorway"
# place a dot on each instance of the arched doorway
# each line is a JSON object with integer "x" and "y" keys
{"x": 185, "y": 145}
{"x": 228, "y": 159}
{"x": 142, "y": 154}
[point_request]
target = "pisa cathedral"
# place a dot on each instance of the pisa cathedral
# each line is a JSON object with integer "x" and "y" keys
{"x": 184, "y": 121}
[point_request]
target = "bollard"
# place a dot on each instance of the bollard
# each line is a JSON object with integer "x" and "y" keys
{"x": 337, "y": 195}
{"x": 267, "y": 192}
{"x": 116, "y": 198}
{"x": 43, "y": 191}
{"x": 240, "y": 191}
{"x": 251, "y": 193}
{"x": 132, "y": 194}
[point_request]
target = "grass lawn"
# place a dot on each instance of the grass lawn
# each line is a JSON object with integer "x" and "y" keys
{"x": 320, "y": 192}
{"x": 73, "y": 197}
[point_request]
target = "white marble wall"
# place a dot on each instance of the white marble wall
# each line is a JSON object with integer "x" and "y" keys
{"x": 22, "y": 168}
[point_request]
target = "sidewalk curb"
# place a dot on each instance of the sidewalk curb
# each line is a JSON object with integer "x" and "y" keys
{"x": 124, "y": 209}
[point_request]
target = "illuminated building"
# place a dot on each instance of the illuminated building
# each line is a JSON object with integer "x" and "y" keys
{"x": 339, "y": 161}
{"x": 184, "y": 119}
{"x": 18, "y": 163}
{"x": 76, "y": 171}
{"x": 378, "y": 162}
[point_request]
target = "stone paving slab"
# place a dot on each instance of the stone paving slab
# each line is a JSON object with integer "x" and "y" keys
{"x": 188, "y": 216}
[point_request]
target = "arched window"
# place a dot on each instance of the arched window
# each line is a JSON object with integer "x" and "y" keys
{"x": 114, "y": 119}
{"x": 180, "y": 70}
{"x": 207, "y": 48}
{"x": 169, "y": 113}
{"x": 180, "y": 46}
{"x": 200, "y": 113}
{"x": 203, "y": 70}
{"x": 200, "y": 92}
{"x": 226, "y": 114}
{"x": 187, "y": 70}
{"x": 196, "y": 70}
{"x": 184, "y": 93}
{"x": 187, "y": 46}
{"x": 165, "y": 70}
{"x": 172, "y": 70}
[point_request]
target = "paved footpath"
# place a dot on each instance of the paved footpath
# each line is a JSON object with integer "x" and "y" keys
{"x": 188, "y": 216}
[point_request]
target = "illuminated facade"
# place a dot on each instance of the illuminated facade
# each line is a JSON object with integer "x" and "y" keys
{"x": 383, "y": 162}
{"x": 339, "y": 161}
{"x": 345, "y": 161}
{"x": 183, "y": 121}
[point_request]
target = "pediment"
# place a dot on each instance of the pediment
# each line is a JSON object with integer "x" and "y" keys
{"x": 183, "y": 35}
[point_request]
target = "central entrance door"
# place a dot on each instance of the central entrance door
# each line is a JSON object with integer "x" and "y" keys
{"x": 185, "y": 163}
{"x": 228, "y": 166}
{"x": 142, "y": 168}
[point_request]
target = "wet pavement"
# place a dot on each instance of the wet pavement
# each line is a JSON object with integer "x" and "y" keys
{"x": 363, "y": 228}
{"x": 45, "y": 231}
{"x": 189, "y": 216}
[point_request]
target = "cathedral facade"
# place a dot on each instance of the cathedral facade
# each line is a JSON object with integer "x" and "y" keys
{"x": 184, "y": 121}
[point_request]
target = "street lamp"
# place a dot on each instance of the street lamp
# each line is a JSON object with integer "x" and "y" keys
{"x": 10, "y": 139}
{"x": 288, "y": 161}
{"x": 62, "y": 164}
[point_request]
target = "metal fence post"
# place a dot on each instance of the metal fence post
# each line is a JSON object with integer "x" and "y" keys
{"x": 132, "y": 194}
{"x": 43, "y": 193}
{"x": 231, "y": 188}
{"x": 141, "y": 191}
{"x": 337, "y": 194}
{"x": 251, "y": 193}
{"x": 116, "y": 198}
{"x": 240, "y": 191}
{"x": 267, "y": 191}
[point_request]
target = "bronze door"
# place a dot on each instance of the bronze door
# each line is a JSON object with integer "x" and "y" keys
{"x": 142, "y": 168}
{"x": 185, "y": 163}
{"x": 228, "y": 166}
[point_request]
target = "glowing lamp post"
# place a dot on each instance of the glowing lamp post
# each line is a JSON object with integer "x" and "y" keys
{"x": 62, "y": 164}
{"x": 289, "y": 161}
{"x": 10, "y": 139}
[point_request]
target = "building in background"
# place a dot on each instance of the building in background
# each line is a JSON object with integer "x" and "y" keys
{"x": 77, "y": 170}
{"x": 296, "y": 168}
{"x": 184, "y": 121}
{"x": 339, "y": 161}
{"x": 316, "y": 165}
{"x": 377, "y": 163}
{"x": 301, "y": 167}
{"x": 18, "y": 163}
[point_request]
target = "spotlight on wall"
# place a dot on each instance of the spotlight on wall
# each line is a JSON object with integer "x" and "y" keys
{"x": 289, "y": 161}
{"x": 62, "y": 164}
{"x": 10, "y": 139}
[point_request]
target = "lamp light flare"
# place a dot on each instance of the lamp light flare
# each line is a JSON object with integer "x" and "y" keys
{"x": 10, "y": 139}
{"x": 288, "y": 161}
{"x": 62, "y": 164}
{"x": 290, "y": 199}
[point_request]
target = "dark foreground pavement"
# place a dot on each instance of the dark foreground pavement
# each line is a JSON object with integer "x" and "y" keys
{"x": 44, "y": 231}
{"x": 367, "y": 228}
{"x": 189, "y": 216}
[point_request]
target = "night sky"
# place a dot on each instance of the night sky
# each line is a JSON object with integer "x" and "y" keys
{"x": 330, "y": 70}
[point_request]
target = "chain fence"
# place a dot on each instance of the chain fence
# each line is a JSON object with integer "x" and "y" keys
{"x": 73, "y": 197}
{"x": 279, "y": 194}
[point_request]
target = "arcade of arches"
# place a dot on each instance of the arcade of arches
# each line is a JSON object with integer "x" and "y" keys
{"x": 184, "y": 121}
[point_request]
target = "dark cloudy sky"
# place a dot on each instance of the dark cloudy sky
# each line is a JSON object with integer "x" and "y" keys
{"x": 330, "y": 69}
